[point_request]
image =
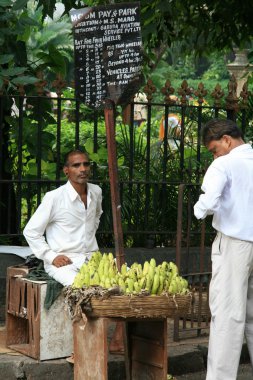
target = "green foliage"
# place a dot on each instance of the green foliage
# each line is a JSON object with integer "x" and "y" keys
{"x": 176, "y": 68}
{"x": 30, "y": 31}
{"x": 13, "y": 61}
{"x": 31, "y": 43}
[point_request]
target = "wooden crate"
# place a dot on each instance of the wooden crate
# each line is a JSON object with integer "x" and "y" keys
{"x": 31, "y": 329}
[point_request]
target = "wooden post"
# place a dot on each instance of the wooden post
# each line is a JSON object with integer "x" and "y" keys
{"x": 114, "y": 182}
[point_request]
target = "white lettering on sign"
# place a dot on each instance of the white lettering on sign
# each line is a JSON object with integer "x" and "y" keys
{"x": 127, "y": 11}
{"x": 108, "y": 53}
{"x": 103, "y": 14}
{"x": 126, "y": 19}
{"x": 77, "y": 16}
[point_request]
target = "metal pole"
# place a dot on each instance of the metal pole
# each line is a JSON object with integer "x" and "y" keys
{"x": 109, "y": 112}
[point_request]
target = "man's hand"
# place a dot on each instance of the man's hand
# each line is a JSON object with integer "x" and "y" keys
{"x": 61, "y": 261}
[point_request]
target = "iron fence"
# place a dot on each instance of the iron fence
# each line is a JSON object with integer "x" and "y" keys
{"x": 156, "y": 153}
{"x": 193, "y": 257}
{"x": 160, "y": 163}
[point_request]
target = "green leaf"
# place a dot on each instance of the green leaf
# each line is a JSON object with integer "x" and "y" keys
{"x": 89, "y": 146}
{"x": 120, "y": 161}
{"x": 19, "y": 4}
{"x": 5, "y": 3}
{"x": 26, "y": 20}
{"x": 25, "y": 79}
{"x": 57, "y": 58}
{"x": 13, "y": 71}
{"x": 102, "y": 152}
{"x": 6, "y": 58}
{"x": 94, "y": 157}
{"x": 54, "y": 59}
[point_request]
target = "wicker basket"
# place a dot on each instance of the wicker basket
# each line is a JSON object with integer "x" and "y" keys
{"x": 164, "y": 306}
{"x": 200, "y": 307}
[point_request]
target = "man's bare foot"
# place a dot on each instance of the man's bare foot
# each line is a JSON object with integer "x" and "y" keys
{"x": 116, "y": 346}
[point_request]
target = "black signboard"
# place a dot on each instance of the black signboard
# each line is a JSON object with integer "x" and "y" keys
{"x": 108, "y": 53}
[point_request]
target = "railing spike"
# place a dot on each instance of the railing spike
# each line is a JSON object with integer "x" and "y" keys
{"x": 217, "y": 94}
{"x": 149, "y": 90}
{"x": 59, "y": 84}
{"x": 41, "y": 84}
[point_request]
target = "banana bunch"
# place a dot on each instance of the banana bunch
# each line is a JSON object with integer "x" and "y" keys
{"x": 100, "y": 270}
{"x": 154, "y": 279}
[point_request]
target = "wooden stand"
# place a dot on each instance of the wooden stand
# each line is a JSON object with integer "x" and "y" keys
{"x": 31, "y": 329}
{"x": 145, "y": 348}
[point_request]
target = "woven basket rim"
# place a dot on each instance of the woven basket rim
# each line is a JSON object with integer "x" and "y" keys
{"x": 141, "y": 306}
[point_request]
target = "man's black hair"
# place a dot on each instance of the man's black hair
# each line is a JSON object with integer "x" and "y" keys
{"x": 215, "y": 129}
{"x": 72, "y": 153}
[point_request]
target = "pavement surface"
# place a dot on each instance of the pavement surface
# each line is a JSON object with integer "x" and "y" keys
{"x": 244, "y": 373}
{"x": 186, "y": 361}
{"x": 186, "y": 358}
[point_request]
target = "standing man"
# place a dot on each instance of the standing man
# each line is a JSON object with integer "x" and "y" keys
{"x": 228, "y": 196}
{"x": 69, "y": 216}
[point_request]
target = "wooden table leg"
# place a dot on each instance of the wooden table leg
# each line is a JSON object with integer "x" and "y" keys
{"x": 145, "y": 349}
{"x": 147, "y": 344}
{"x": 90, "y": 349}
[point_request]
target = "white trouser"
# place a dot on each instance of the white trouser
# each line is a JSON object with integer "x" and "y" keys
{"x": 231, "y": 304}
{"x": 66, "y": 274}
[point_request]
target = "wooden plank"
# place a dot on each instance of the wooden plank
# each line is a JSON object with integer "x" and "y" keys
{"x": 90, "y": 349}
{"x": 148, "y": 349}
{"x": 16, "y": 328}
{"x": 142, "y": 353}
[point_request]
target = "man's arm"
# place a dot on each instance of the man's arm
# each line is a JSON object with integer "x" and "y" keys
{"x": 99, "y": 210}
{"x": 35, "y": 229}
{"x": 213, "y": 185}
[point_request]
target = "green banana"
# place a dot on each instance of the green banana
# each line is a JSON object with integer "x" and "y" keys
{"x": 107, "y": 283}
{"x": 101, "y": 268}
{"x": 151, "y": 272}
{"x": 123, "y": 269}
{"x": 161, "y": 284}
{"x": 130, "y": 284}
{"x": 145, "y": 268}
{"x": 137, "y": 287}
{"x": 153, "y": 262}
{"x": 155, "y": 284}
{"x": 143, "y": 283}
{"x": 149, "y": 282}
{"x": 122, "y": 284}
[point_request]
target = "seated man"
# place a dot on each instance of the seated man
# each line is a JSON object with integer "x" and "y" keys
{"x": 69, "y": 216}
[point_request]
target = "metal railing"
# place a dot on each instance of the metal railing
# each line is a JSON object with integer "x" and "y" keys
{"x": 193, "y": 257}
{"x": 160, "y": 168}
{"x": 154, "y": 158}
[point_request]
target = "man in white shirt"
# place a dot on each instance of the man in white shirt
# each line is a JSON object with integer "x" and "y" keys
{"x": 69, "y": 216}
{"x": 228, "y": 196}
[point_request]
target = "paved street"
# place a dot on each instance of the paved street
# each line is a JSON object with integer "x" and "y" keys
{"x": 245, "y": 373}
